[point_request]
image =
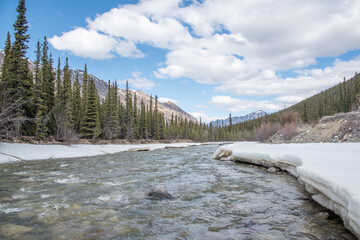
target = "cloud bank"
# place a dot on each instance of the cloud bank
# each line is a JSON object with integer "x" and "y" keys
{"x": 238, "y": 46}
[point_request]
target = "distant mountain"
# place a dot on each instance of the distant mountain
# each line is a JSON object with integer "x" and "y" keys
{"x": 176, "y": 108}
{"x": 235, "y": 120}
{"x": 167, "y": 108}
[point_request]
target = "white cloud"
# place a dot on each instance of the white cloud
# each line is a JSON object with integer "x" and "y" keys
{"x": 239, "y": 45}
{"x": 165, "y": 100}
{"x": 128, "y": 49}
{"x": 139, "y": 82}
{"x": 85, "y": 43}
{"x": 237, "y": 105}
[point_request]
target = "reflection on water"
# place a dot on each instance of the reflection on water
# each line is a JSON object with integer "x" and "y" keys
{"x": 105, "y": 197}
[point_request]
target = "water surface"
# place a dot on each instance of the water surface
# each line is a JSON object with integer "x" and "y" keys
{"x": 105, "y": 197}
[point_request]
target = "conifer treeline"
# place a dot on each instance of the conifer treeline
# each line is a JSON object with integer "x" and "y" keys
{"x": 47, "y": 104}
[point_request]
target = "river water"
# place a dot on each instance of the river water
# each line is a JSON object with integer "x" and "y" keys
{"x": 105, "y": 197}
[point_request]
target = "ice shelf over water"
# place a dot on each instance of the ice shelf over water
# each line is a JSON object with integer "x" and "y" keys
{"x": 12, "y": 152}
{"x": 330, "y": 171}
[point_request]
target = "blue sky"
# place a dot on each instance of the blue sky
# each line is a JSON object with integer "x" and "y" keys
{"x": 211, "y": 57}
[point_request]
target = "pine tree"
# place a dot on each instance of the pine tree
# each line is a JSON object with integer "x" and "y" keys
{"x": 135, "y": 119}
{"x": 84, "y": 88}
{"x": 18, "y": 75}
{"x": 59, "y": 90}
{"x": 40, "y": 106}
{"x": 5, "y": 66}
{"x": 156, "y": 120}
{"x": 76, "y": 104}
{"x": 143, "y": 121}
{"x": 150, "y": 118}
{"x": 90, "y": 127}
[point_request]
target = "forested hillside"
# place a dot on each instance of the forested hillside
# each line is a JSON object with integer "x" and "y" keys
{"x": 344, "y": 97}
{"x": 41, "y": 100}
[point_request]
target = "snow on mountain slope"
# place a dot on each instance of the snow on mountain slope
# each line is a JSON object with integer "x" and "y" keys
{"x": 235, "y": 120}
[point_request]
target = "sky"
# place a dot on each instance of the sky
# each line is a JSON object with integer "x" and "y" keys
{"x": 211, "y": 57}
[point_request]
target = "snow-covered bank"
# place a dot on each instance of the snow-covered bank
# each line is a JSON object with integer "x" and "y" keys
{"x": 11, "y": 152}
{"x": 330, "y": 171}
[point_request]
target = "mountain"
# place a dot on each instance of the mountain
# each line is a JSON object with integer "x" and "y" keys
{"x": 236, "y": 120}
{"x": 168, "y": 108}
{"x": 176, "y": 108}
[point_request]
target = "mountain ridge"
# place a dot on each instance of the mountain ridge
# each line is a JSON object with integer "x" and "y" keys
{"x": 238, "y": 119}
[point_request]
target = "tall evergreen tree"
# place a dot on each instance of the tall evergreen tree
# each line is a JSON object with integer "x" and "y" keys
{"x": 58, "y": 84}
{"x": 91, "y": 125}
{"x": 19, "y": 77}
{"x": 135, "y": 118}
{"x": 76, "y": 104}
{"x": 41, "y": 130}
{"x": 156, "y": 120}
{"x": 5, "y": 66}
{"x": 143, "y": 121}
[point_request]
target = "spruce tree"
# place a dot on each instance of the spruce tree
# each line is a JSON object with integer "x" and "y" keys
{"x": 143, "y": 122}
{"x": 19, "y": 77}
{"x": 5, "y": 66}
{"x": 58, "y": 84}
{"x": 41, "y": 130}
{"x": 76, "y": 104}
{"x": 90, "y": 126}
{"x": 156, "y": 120}
{"x": 135, "y": 119}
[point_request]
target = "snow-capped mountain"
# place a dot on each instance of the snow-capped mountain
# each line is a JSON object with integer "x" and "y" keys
{"x": 235, "y": 120}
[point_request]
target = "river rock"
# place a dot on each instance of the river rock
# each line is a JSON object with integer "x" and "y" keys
{"x": 12, "y": 230}
{"x": 159, "y": 192}
{"x": 323, "y": 215}
{"x": 272, "y": 170}
{"x": 7, "y": 199}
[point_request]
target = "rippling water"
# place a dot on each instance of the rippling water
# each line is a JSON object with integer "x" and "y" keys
{"x": 105, "y": 197}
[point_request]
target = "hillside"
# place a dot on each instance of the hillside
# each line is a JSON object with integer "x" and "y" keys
{"x": 341, "y": 127}
{"x": 102, "y": 87}
{"x": 236, "y": 120}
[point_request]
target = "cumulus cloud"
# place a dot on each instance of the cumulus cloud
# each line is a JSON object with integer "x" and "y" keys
{"x": 85, "y": 43}
{"x": 165, "y": 100}
{"x": 239, "y": 46}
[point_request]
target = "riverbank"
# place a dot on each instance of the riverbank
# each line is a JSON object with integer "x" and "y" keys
{"x": 329, "y": 171}
{"x": 14, "y": 152}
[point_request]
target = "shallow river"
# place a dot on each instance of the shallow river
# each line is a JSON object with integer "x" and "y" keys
{"x": 105, "y": 197}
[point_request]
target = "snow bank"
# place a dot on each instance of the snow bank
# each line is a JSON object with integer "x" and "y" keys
{"x": 11, "y": 152}
{"x": 330, "y": 171}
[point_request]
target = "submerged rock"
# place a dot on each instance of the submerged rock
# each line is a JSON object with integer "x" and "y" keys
{"x": 159, "y": 192}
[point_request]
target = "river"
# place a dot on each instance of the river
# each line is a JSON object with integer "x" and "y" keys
{"x": 105, "y": 197}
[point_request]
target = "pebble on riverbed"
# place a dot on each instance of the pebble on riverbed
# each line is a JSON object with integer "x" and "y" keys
{"x": 159, "y": 192}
